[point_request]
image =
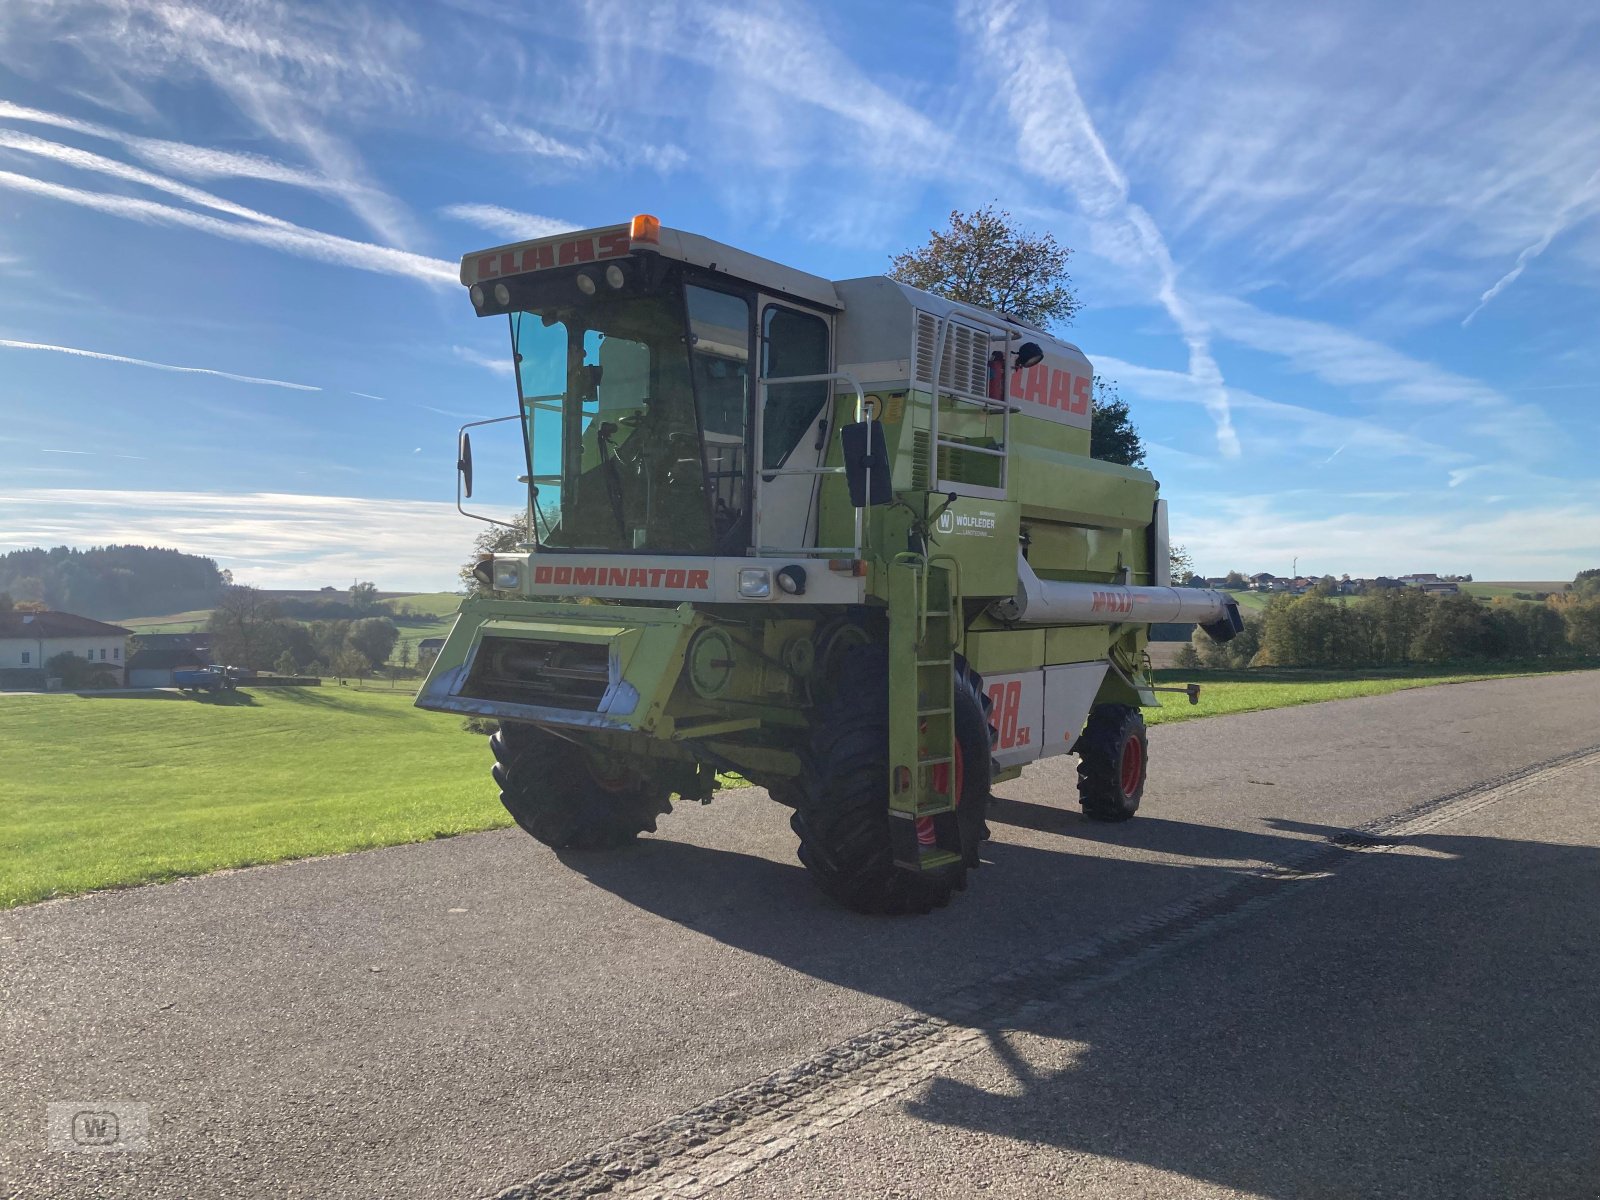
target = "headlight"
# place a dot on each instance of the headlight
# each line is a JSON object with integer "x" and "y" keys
{"x": 792, "y": 579}
{"x": 507, "y": 575}
{"x": 755, "y": 583}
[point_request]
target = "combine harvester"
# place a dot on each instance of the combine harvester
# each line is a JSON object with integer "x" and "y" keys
{"x": 842, "y": 538}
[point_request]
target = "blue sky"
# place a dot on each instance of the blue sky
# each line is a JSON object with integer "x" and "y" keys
{"x": 1343, "y": 260}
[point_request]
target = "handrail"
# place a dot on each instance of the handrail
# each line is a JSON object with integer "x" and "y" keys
{"x": 763, "y": 474}
{"x": 1003, "y": 407}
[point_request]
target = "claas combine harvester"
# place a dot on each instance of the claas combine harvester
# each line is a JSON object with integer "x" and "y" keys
{"x": 844, "y": 539}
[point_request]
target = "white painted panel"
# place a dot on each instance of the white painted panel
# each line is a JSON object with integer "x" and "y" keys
{"x": 1069, "y": 693}
{"x": 1017, "y": 713}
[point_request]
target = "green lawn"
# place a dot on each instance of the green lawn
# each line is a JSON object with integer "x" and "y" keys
{"x": 184, "y": 622}
{"x": 1488, "y": 591}
{"x": 116, "y": 790}
{"x": 439, "y": 604}
{"x": 1223, "y": 692}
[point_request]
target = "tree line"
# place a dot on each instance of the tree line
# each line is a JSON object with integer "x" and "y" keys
{"x": 249, "y": 629}
{"x": 112, "y": 582}
{"x": 1403, "y": 626}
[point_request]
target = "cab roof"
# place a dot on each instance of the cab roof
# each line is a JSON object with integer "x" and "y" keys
{"x": 615, "y": 241}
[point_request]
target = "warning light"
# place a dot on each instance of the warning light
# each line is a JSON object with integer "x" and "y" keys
{"x": 645, "y": 229}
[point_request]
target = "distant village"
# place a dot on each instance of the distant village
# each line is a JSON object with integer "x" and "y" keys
{"x": 1344, "y": 585}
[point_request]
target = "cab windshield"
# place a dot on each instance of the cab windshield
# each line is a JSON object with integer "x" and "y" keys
{"x": 621, "y": 457}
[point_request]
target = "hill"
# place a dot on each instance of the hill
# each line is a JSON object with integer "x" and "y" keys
{"x": 112, "y": 582}
{"x": 179, "y": 786}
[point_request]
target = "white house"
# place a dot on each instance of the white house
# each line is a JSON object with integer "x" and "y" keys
{"x": 29, "y": 640}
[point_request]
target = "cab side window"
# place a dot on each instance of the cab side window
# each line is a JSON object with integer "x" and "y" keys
{"x": 793, "y": 343}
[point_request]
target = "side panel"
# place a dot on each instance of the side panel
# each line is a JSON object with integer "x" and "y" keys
{"x": 1069, "y": 693}
{"x": 1017, "y": 714}
{"x": 1040, "y": 713}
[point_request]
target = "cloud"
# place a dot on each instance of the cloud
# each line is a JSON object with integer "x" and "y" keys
{"x": 542, "y": 145}
{"x": 71, "y": 156}
{"x": 184, "y": 158}
{"x": 1263, "y": 151}
{"x": 1391, "y": 538}
{"x": 506, "y": 222}
{"x": 1573, "y": 211}
{"x": 1057, "y": 140}
{"x": 281, "y": 66}
{"x": 1309, "y": 427}
{"x": 500, "y": 366}
{"x": 9, "y": 344}
{"x": 289, "y": 238}
{"x": 267, "y": 539}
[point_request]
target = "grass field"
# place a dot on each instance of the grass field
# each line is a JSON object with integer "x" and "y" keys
{"x": 184, "y": 622}
{"x": 1223, "y": 692}
{"x": 124, "y": 789}
{"x": 138, "y": 788}
{"x": 441, "y": 609}
{"x": 1488, "y": 591}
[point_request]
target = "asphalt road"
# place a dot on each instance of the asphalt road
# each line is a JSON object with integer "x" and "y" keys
{"x": 1226, "y": 996}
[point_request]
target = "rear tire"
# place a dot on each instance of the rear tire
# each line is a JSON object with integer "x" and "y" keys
{"x": 842, "y": 817}
{"x": 1113, "y": 755}
{"x": 561, "y": 795}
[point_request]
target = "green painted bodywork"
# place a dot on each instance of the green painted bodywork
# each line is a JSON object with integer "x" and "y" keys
{"x": 737, "y": 686}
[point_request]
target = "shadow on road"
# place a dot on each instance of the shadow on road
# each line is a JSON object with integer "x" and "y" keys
{"x": 1420, "y": 1021}
{"x": 1024, "y": 902}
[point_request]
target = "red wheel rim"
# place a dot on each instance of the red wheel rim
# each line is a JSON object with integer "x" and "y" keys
{"x": 620, "y": 781}
{"x": 1132, "y": 765}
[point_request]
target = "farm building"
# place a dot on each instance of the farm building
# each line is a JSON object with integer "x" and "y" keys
{"x": 29, "y": 640}
{"x": 160, "y": 654}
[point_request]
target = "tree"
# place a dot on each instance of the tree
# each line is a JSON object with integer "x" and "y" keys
{"x": 242, "y": 628}
{"x": 1458, "y": 627}
{"x": 76, "y": 673}
{"x": 1187, "y": 657}
{"x": 405, "y": 655}
{"x": 364, "y": 597}
{"x": 986, "y": 259}
{"x": 350, "y": 663}
{"x": 1112, "y": 436}
{"x": 1583, "y": 626}
{"x": 286, "y": 664}
{"x": 328, "y": 638}
{"x": 1235, "y": 580}
{"x": 1587, "y": 583}
{"x": 1179, "y": 564}
{"x": 372, "y": 638}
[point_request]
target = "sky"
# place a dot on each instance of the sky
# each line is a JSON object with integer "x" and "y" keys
{"x": 1342, "y": 260}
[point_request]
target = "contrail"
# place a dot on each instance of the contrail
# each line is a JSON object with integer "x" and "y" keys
{"x": 9, "y": 344}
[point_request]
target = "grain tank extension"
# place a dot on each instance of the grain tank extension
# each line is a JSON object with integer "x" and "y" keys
{"x": 843, "y": 538}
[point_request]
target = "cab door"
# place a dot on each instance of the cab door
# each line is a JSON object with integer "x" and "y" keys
{"x": 795, "y": 431}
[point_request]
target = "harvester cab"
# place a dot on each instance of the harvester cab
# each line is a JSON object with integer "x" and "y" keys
{"x": 842, "y": 538}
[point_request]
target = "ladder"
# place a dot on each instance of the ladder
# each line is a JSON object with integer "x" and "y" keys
{"x": 924, "y": 631}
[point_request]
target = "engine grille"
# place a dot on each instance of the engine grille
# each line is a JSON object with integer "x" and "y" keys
{"x": 572, "y": 675}
{"x": 965, "y": 365}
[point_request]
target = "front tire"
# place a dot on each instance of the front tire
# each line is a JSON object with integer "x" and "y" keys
{"x": 842, "y": 816}
{"x": 560, "y": 794}
{"x": 1113, "y": 755}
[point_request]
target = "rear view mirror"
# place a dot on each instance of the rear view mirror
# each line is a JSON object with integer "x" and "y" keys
{"x": 866, "y": 463}
{"x": 464, "y": 461}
